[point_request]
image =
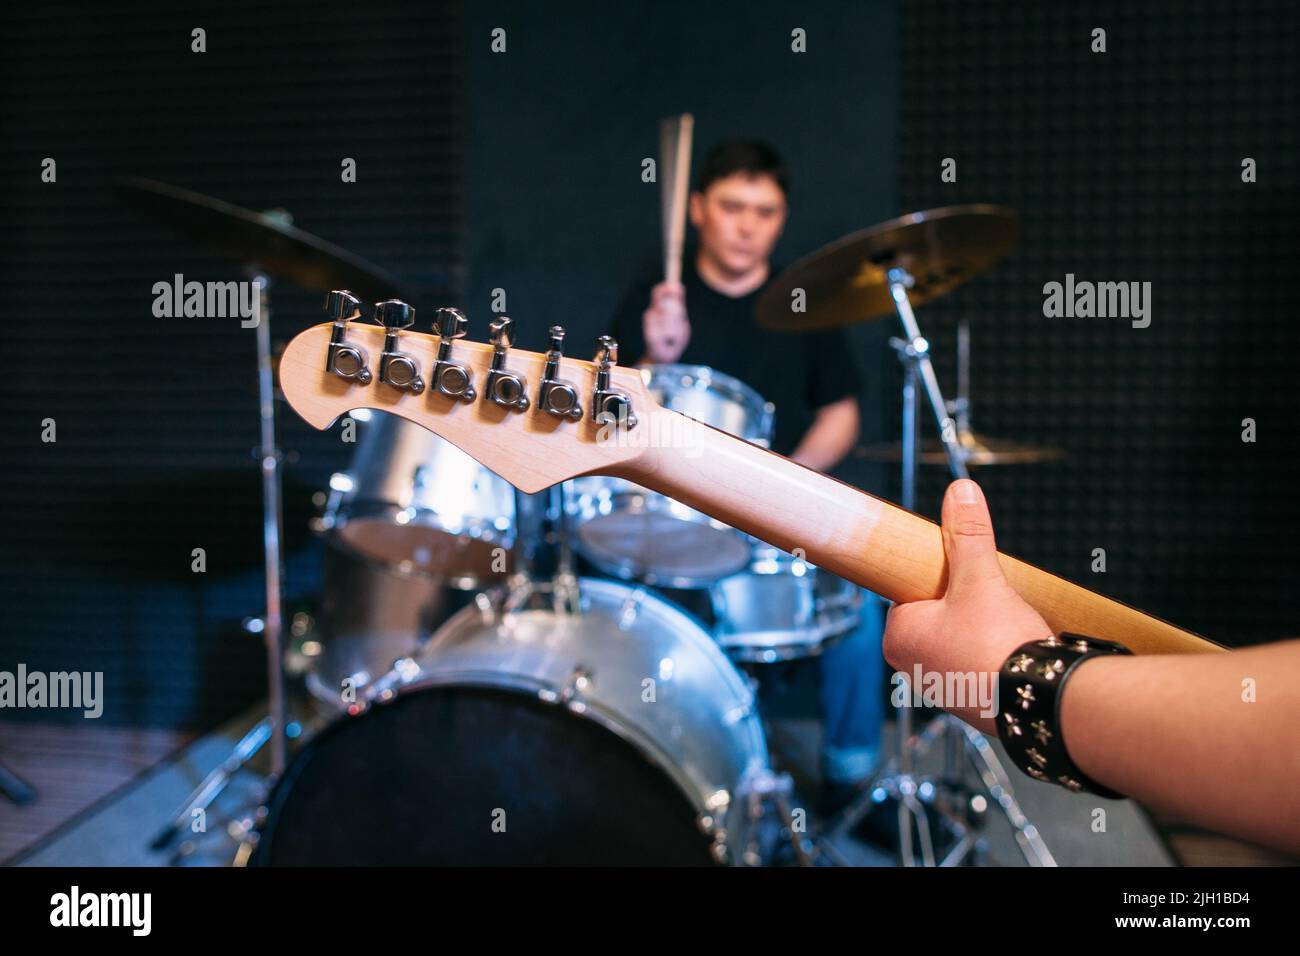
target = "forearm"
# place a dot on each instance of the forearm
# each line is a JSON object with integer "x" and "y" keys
{"x": 833, "y": 432}
{"x": 1181, "y": 734}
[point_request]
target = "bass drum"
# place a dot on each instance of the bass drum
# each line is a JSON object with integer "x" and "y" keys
{"x": 618, "y": 735}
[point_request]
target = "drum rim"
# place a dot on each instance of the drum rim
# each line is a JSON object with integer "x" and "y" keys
{"x": 370, "y": 510}
{"x": 479, "y": 529}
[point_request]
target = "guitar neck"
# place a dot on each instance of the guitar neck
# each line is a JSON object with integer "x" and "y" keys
{"x": 880, "y": 546}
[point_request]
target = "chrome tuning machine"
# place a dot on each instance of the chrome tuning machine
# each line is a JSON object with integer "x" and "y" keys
{"x": 344, "y": 359}
{"x": 557, "y": 396}
{"x": 505, "y": 388}
{"x": 452, "y": 378}
{"x": 609, "y": 406}
{"x": 396, "y": 368}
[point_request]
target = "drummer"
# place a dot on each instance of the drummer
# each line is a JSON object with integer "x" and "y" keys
{"x": 738, "y": 207}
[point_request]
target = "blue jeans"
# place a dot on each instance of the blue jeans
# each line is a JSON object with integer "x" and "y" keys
{"x": 852, "y": 698}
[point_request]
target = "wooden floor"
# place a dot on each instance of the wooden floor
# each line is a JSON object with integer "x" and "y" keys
{"x": 72, "y": 767}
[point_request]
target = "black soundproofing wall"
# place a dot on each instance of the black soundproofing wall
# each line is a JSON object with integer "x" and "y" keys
{"x": 156, "y": 418}
{"x": 1127, "y": 165}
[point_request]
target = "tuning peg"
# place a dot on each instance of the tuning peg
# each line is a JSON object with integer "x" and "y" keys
{"x": 394, "y": 314}
{"x": 397, "y": 368}
{"x": 557, "y": 396}
{"x": 607, "y": 350}
{"x": 450, "y": 323}
{"x": 609, "y": 405}
{"x": 506, "y": 389}
{"x": 452, "y": 378}
{"x": 501, "y": 333}
{"x": 341, "y": 305}
{"x": 344, "y": 359}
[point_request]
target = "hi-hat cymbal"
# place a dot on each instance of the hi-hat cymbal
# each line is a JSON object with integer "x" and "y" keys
{"x": 263, "y": 242}
{"x": 976, "y": 450}
{"x": 845, "y": 282}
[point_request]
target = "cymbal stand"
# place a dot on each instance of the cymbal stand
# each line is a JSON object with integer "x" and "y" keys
{"x": 273, "y": 728}
{"x": 898, "y": 779}
{"x": 543, "y": 560}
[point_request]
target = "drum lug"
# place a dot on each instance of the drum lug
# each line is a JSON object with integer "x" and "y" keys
{"x": 384, "y": 689}
{"x": 738, "y": 713}
{"x": 710, "y": 823}
{"x": 579, "y": 680}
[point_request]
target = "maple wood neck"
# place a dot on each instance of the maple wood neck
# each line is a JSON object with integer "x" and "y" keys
{"x": 880, "y": 546}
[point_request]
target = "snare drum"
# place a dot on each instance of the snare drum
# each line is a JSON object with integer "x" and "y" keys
{"x": 639, "y": 535}
{"x": 417, "y": 502}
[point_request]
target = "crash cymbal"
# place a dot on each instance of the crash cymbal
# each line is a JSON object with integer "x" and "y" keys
{"x": 263, "y": 242}
{"x": 976, "y": 450}
{"x": 845, "y": 282}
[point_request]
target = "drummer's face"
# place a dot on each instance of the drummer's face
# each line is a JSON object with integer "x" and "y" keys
{"x": 739, "y": 220}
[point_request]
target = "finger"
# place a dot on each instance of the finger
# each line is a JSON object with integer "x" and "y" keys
{"x": 897, "y": 643}
{"x": 968, "y": 539}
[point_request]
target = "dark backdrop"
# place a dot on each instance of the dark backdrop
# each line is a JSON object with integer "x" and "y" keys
{"x": 1127, "y": 166}
{"x": 1124, "y": 166}
{"x": 537, "y": 168}
{"x": 157, "y": 418}
{"x": 557, "y": 213}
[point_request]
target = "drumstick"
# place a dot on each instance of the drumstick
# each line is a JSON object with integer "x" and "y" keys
{"x": 675, "y": 170}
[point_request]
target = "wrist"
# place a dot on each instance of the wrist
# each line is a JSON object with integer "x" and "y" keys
{"x": 1076, "y": 701}
{"x": 1033, "y": 689}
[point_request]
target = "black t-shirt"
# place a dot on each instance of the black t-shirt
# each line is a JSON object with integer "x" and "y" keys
{"x": 799, "y": 372}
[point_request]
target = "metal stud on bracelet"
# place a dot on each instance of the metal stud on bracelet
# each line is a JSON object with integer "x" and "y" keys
{"x": 1031, "y": 685}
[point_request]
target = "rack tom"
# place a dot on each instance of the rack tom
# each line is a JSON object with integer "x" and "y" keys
{"x": 636, "y": 534}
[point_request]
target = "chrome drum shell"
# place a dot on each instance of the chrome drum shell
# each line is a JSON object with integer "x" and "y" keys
{"x": 417, "y": 502}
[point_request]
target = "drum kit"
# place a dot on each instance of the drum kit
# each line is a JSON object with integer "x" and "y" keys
{"x": 500, "y": 677}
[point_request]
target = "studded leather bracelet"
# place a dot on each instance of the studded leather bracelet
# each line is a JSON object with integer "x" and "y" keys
{"x": 1030, "y": 686}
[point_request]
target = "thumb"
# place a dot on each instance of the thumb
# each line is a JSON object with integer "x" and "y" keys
{"x": 968, "y": 539}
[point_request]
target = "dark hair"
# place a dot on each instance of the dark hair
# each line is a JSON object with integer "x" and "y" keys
{"x": 749, "y": 157}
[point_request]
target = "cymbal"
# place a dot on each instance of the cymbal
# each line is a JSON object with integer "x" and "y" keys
{"x": 263, "y": 242}
{"x": 845, "y": 282}
{"x": 976, "y": 450}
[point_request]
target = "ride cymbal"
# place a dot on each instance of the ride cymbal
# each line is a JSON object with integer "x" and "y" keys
{"x": 846, "y": 281}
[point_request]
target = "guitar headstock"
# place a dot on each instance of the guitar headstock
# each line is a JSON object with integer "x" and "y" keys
{"x": 533, "y": 418}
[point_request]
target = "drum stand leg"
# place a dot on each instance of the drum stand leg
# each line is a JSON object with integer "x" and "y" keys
{"x": 897, "y": 780}
{"x": 15, "y": 788}
{"x": 214, "y": 783}
{"x": 759, "y": 791}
